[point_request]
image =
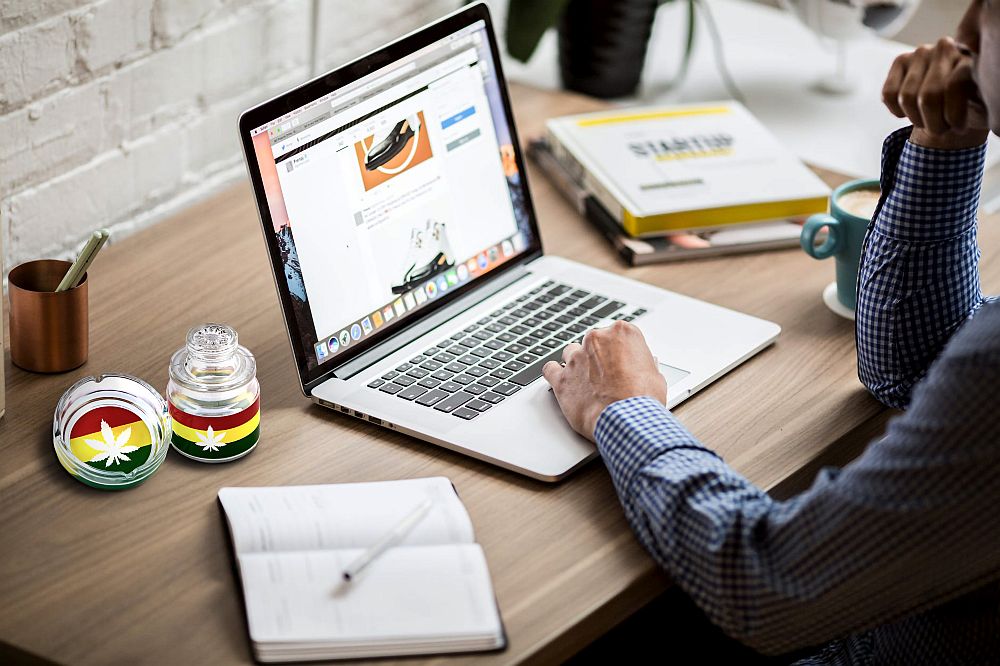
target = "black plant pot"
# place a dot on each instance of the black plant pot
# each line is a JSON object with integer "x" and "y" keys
{"x": 602, "y": 45}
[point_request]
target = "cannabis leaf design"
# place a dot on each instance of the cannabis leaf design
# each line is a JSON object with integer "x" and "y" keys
{"x": 210, "y": 440}
{"x": 112, "y": 449}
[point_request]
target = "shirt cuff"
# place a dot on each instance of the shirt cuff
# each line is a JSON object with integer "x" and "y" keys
{"x": 633, "y": 432}
{"x": 928, "y": 194}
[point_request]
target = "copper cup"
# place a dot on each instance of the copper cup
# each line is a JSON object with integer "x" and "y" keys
{"x": 48, "y": 329}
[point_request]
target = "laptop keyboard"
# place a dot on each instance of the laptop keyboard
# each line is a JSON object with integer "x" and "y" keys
{"x": 492, "y": 359}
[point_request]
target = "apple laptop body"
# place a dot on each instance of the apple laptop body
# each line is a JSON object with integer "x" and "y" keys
{"x": 408, "y": 263}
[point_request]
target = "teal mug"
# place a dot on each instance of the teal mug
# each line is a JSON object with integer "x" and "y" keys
{"x": 852, "y": 206}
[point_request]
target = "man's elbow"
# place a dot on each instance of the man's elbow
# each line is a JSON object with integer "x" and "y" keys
{"x": 891, "y": 393}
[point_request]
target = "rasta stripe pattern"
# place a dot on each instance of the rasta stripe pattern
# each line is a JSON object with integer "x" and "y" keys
{"x": 112, "y": 439}
{"x": 216, "y": 439}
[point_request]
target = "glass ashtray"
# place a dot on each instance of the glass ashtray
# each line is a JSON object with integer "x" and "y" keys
{"x": 111, "y": 431}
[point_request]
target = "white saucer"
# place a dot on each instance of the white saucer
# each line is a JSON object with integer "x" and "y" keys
{"x": 832, "y": 302}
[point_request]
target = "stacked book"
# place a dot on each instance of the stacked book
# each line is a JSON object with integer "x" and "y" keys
{"x": 679, "y": 182}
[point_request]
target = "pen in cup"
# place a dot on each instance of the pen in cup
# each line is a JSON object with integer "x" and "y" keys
{"x": 84, "y": 260}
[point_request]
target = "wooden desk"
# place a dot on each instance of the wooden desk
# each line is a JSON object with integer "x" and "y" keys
{"x": 144, "y": 575}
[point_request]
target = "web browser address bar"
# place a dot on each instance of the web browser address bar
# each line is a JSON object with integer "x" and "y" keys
{"x": 409, "y": 68}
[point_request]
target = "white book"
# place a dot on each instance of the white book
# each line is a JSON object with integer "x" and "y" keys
{"x": 687, "y": 167}
{"x": 430, "y": 593}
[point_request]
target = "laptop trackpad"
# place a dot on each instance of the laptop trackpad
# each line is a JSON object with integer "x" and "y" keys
{"x": 672, "y": 375}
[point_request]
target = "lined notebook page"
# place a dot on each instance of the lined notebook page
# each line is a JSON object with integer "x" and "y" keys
{"x": 350, "y": 515}
{"x": 406, "y": 596}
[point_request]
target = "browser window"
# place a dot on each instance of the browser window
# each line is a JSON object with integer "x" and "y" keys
{"x": 390, "y": 193}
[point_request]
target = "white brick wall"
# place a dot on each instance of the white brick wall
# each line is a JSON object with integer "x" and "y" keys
{"x": 119, "y": 112}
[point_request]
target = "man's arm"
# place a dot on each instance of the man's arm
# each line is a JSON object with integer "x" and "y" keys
{"x": 905, "y": 527}
{"x": 919, "y": 275}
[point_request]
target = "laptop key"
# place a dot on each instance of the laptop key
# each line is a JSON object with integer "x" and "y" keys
{"x": 608, "y": 309}
{"x": 518, "y": 330}
{"x": 482, "y": 352}
{"x": 431, "y": 365}
{"x": 431, "y": 351}
{"x": 429, "y": 382}
{"x": 417, "y": 360}
{"x": 514, "y": 365}
{"x": 453, "y": 402}
{"x": 491, "y": 397}
{"x": 478, "y": 405}
{"x": 375, "y": 383}
{"x": 589, "y": 321}
{"x": 476, "y": 389}
{"x": 463, "y": 379}
{"x": 404, "y": 380}
{"x": 506, "y": 389}
{"x": 520, "y": 312}
{"x": 552, "y": 326}
{"x": 411, "y": 392}
{"x": 404, "y": 367}
{"x": 539, "y": 351}
{"x": 552, "y": 343}
{"x": 391, "y": 388}
{"x": 527, "y": 358}
{"x": 565, "y": 336}
{"x": 481, "y": 335}
{"x": 576, "y": 328}
{"x": 442, "y": 375}
{"x": 489, "y": 381}
{"x": 450, "y": 387}
{"x": 469, "y": 359}
{"x": 540, "y": 334}
{"x": 483, "y": 321}
{"x": 389, "y": 375}
{"x": 498, "y": 343}
{"x": 418, "y": 373}
{"x": 464, "y": 413}
{"x": 580, "y": 293}
{"x": 453, "y": 367}
{"x": 443, "y": 344}
{"x": 501, "y": 373}
{"x": 470, "y": 328}
{"x": 458, "y": 336}
{"x": 457, "y": 350}
{"x": 469, "y": 342}
{"x": 503, "y": 356}
{"x": 444, "y": 357}
{"x": 507, "y": 320}
{"x": 565, "y": 319}
{"x": 544, "y": 316}
{"x": 513, "y": 349}
{"x": 534, "y": 370}
{"x": 494, "y": 328}
{"x": 432, "y": 397}
{"x": 532, "y": 322}
{"x": 490, "y": 363}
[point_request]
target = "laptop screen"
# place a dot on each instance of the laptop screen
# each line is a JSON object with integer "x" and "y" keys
{"x": 393, "y": 193}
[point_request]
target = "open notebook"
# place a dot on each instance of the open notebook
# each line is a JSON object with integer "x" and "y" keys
{"x": 431, "y": 593}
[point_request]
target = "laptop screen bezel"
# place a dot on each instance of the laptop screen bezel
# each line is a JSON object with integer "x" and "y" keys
{"x": 336, "y": 79}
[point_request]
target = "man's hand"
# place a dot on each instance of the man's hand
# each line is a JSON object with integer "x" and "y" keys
{"x": 933, "y": 86}
{"x": 613, "y": 363}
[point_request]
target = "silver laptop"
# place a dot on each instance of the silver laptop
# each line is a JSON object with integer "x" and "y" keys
{"x": 408, "y": 263}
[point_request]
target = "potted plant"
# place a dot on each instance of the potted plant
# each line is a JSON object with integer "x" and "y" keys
{"x": 602, "y": 43}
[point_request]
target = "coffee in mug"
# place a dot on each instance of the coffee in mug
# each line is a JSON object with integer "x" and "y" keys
{"x": 860, "y": 203}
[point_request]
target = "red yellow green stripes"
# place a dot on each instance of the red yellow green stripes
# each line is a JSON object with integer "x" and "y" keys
{"x": 111, "y": 439}
{"x": 216, "y": 438}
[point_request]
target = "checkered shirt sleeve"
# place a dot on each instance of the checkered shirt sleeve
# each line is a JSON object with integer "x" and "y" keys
{"x": 919, "y": 277}
{"x": 895, "y": 558}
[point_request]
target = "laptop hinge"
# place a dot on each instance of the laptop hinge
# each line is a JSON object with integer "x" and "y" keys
{"x": 411, "y": 333}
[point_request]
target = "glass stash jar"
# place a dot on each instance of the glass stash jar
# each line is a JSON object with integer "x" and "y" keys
{"x": 213, "y": 396}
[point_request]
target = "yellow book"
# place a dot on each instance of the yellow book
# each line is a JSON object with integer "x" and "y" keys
{"x": 695, "y": 166}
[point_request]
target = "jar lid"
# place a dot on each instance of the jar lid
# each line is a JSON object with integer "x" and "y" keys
{"x": 212, "y": 360}
{"x": 111, "y": 431}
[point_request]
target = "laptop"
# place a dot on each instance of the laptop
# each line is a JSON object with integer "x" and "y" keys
{"x": 405, "y": 249}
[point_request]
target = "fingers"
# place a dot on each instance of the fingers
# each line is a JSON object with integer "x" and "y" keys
{"x": 931, "y": 98}
{"x": 909, "y": 90}
{"x": 552, "y": 372}
{"x": 570, "y": 350}
{"x": 893, "y": 82}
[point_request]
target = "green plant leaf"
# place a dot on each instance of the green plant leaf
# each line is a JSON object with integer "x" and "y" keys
{"x": 527, "y": 21}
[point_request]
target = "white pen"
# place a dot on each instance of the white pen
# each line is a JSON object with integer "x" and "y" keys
{"x": 395, "y": 535}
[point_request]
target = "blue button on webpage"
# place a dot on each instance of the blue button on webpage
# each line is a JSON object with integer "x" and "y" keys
{"x": 461, "y": 115}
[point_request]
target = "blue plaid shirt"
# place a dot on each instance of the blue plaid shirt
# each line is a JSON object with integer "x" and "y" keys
{"x": 896, "y": 557}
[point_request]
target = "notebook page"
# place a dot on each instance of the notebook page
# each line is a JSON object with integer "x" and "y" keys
{"x": 338, "y": 516}
{"x": 407, "y": 594}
